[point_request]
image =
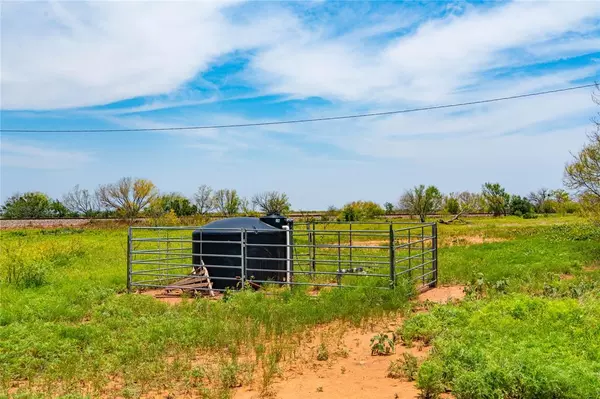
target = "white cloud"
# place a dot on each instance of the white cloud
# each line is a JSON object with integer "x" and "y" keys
{"x": 37, "y": 155}
{"x": 63, "y": 55}
{"x": 439, "y": 58}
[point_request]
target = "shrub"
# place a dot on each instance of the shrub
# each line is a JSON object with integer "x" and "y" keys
{"x": 331, "y": 214}
{"x": 430, "y": 380}
{"x": 452, "y": 206}
{"x": 360, "y": 210}
{"x": 530, "y": 215}
{"x": 405, "y": 367}
{"x": 322, "y": 353}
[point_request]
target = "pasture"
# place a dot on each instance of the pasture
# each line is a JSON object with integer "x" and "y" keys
{"x": 529, "y": 327}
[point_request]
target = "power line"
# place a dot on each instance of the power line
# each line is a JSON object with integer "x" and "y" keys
{"x": 292, "y": 121}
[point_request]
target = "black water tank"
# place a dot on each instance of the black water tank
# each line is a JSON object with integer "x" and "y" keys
{"x": 276, "y": 221}
{"x": 223, "y": 237}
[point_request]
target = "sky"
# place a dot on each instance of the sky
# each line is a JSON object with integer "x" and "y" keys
{"x": 109, "y": 65}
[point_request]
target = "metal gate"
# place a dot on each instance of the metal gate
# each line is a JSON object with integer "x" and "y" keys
{"x": 320, "y": 254}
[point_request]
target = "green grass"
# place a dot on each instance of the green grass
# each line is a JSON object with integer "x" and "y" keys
{"x": 68, "y": 327}
{"x": 511, "y": 347}
{"x": 72, "y": 329}
{"x": 529, "y": 256}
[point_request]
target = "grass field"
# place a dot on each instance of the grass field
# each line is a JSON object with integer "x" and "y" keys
{"x": 530, "y": 328}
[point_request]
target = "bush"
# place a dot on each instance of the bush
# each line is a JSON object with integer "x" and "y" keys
{"x": 530, "y": 215}
{"x": 360, "y": 210}
{"x": 452, "y": 206}
{"x": 34, "y": 205}
{"x": 405, "y": 367}
{"x": 519, "y": 205}
{"x": 430, "y": 380}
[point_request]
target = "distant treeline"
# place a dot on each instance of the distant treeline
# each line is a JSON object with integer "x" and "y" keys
{"x": 132, "y": 198}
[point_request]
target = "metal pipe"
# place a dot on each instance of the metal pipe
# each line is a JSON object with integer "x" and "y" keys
{"x": 392, "y": 259}
{"x": 321, "y": 273}
{"x": 129, "y": 259}
{"x": 435, "y": 255}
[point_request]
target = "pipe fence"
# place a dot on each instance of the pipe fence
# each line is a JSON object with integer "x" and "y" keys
{"x": 319, "y": 254}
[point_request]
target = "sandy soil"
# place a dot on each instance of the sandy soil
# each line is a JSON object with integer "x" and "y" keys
{"x": 443, "y": 294}
{"x": 351, "y": 371}
{"x": 355, "y": 374}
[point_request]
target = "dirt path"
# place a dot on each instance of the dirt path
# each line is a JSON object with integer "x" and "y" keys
{"x": 351, "y": 371}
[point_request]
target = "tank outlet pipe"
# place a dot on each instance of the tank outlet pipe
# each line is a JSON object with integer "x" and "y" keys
{"x": 288, "y": 254}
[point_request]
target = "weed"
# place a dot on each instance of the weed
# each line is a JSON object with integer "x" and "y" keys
{"x": 343, "y": 370}
{"x": 476, "y": 288}
{"x": 319, "y": 389}
{"x": 229, "y": 375}
{"x": 405, "y": 367}
{"x": 382, "y": 345}
{"x": 322, "y": 353}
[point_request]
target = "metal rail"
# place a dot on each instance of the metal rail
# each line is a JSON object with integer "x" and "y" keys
{"x": 382, "y": 255}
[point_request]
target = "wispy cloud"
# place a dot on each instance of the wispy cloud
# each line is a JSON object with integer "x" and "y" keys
{"x": 37, "y": 155}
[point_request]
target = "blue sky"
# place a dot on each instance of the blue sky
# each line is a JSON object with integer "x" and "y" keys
{"x": 79, "y": 65}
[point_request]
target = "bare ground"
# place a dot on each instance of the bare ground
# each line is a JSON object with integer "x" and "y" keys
{"x": 351, "y": 371}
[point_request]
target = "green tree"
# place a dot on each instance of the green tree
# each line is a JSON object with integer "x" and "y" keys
{"x": 389, "y": 208}
{"x": 360, "y": 210}
{"x": 520, "y": 206}
{"x": 272, "y": 202}
{"x": 496, "y": 198}
{"x": 59, "y": 210}
{"x": 128, "y": 197}
{"x": 452, "y": 204}
{"x": 582, "y": 174}
{"x": 226, "y": 202}
{"x": 30, "y": 205}
{"x": 177, "y": 203}
{"x": 421, "y": 201}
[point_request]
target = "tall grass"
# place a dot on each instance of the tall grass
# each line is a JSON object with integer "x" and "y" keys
{"x": 511, "y": 347}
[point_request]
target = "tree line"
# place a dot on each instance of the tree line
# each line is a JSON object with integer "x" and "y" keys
{"x": 130, "y": 198}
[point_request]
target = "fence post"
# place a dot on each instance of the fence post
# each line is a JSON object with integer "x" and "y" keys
{"x": 339, "y": 254}
{"x": 392, "y": 259}
{"x": 434, "y": 244}
{"x": 350, "y": 223}
{"x": 129, "y": 266}
{"x": 313, "y": 250}
{"x": 409, "y": 257}
{"x": 243, "y": 237}
{"x": 423, "y": 254}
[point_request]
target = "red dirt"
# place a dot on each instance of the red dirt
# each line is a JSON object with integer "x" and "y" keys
{"x": 357, "y": 375}
{"x": 443, "y": 294}
{"x": 173, "y": 299}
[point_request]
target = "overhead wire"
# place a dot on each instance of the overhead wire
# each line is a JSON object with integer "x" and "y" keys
{"x": 307, "y": 120}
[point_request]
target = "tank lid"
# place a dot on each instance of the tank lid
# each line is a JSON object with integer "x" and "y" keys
{"x": 247, "y": 223}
